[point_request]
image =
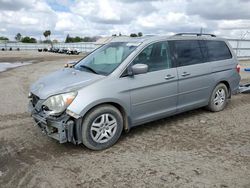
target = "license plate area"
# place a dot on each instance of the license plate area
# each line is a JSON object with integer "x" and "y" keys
{"x": 54, "y": 129}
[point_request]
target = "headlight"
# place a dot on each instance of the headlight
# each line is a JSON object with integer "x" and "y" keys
{"x": 57, "y": 104}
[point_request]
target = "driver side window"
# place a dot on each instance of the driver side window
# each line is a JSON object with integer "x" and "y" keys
{"x": 156, "y": 56}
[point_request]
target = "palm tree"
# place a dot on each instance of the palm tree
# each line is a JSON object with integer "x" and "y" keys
{"x": 18, "y": 37}
{"x": 46, "y": 34}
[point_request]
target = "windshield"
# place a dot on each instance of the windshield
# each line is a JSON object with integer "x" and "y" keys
{"x": 107, "y": 58}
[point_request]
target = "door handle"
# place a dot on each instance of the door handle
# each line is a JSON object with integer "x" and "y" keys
{"x": 169, "y": 76}
{"x": 185, "y": 74}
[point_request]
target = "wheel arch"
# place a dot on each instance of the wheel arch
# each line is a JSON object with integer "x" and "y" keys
{"x": 122, "y": 110}
{"x": 227, "y": 85}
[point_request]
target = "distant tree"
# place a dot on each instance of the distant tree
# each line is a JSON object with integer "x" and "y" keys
{"x": 46, "y": 34}
{"x": 32, "y": 40}
{"x": 18, "y": 37}
{"x": 4, "y": 38}
{"x": 55, "y": 41}
{"x": 133, "y": 35}
{"x": 79, "y": 39}
{"x": 115, "y": 35}
{"x": 68, "y": 39}
{"x": 87, "y": 39}
{"x": 140, "y": 34}
{"x": 49, "y": 33}
{"x": 28, "y": 40}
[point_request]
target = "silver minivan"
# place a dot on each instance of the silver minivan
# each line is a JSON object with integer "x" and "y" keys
{"x": 131, "y": 81}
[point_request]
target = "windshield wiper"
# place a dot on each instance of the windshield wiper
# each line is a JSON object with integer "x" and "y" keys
{"x": 89, "y": 68}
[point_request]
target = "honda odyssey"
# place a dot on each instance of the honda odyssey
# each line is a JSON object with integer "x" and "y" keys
{"x": 132, "y": 81}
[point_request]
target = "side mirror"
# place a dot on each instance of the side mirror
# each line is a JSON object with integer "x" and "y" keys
{"x": 69, "y": 65}
{"x": 139, "y": 69}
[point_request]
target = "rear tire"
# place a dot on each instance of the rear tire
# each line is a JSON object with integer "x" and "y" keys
{"x": 102, "y": 127}
{"x": 219, "y": 98}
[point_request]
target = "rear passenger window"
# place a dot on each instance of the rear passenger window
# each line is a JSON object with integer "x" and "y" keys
{"x": 218, "y": 50}
{"x": 189, "y": 52}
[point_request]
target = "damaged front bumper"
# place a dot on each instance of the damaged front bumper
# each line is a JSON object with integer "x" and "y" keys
{"x": 63, "y": 128}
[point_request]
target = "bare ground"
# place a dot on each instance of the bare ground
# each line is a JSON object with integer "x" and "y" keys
{"x": 193, "y": 149}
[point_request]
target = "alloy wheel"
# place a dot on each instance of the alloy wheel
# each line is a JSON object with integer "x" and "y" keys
{"x": 103, "y": 128}
{"x": 219, "y": 97}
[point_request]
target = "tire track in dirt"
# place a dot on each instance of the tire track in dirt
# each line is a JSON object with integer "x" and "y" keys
{"x": 12, "y": 117}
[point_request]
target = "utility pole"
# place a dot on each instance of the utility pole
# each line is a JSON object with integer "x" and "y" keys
{"x": 201, "y": 30}
{"x": 243, "y": 35}
{"x": 5, "y": 44}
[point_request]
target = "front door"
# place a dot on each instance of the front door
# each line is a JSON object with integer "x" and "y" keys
{"x": 154, "y": 94}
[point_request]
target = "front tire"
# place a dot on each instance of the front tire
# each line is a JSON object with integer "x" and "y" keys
{"x": 102, "y": 127}
{"x": 219, "y": 98}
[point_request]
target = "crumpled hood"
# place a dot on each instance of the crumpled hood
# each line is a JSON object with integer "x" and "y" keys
{"x": 62, "y": 81}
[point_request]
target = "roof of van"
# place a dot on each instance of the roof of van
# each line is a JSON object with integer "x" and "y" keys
{"x": 156, "y": 38}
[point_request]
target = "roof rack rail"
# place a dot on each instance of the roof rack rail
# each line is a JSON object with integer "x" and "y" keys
{"x": 197, "y": 34}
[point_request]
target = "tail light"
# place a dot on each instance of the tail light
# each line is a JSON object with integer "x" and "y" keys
{"x": 238, "y": 68}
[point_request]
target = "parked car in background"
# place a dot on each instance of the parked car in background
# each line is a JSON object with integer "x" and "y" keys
{"x": 132, "y": 81}
{"x": 73, "y": 51}
{"x": 45, "y": 49}
{"x": 68, "y": 51}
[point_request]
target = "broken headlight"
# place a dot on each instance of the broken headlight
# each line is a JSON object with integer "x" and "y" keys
{"x": 56, "y": 104}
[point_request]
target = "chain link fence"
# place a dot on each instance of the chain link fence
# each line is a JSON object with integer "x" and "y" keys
{"x": 240, "y": 46}
{"x": 81, "y": 46}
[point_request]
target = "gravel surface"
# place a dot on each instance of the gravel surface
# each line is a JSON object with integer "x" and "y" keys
{"x": 193, "y": 149}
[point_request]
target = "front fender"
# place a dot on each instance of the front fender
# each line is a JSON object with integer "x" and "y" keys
{"x": 109, "y": 90}
{"x": 104, "y": 101}
{"x": 85, "y": 102}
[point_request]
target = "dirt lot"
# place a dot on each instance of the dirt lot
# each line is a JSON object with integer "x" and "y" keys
{"x": 193, "y": 149}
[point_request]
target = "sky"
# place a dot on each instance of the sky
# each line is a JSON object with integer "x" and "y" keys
{"x": 227, "y": 18}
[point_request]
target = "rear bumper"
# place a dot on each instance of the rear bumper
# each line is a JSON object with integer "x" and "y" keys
{"x": 59, "y": 128}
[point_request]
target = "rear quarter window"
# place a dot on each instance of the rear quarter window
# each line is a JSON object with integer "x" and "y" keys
{"x": 218, "y": 50}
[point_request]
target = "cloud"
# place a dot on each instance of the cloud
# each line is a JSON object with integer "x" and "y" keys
{"x": 137, "y": 1}
{"x": 68, "y": 23}
{"x": 107, "y": 17}
{"x": 28, "y": 20}
{"x": 15, "y": 4}
{"x": 220, "y": 10}
{"x": 111, "y": 11}
{"x": 234, "y": 24}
